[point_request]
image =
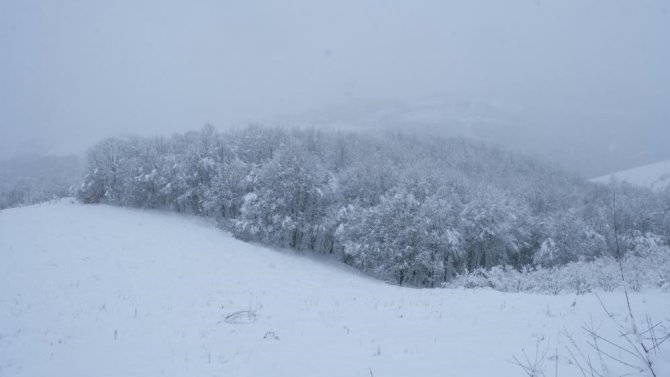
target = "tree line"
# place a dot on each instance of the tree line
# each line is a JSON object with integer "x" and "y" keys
{"x": 409, "y": 209}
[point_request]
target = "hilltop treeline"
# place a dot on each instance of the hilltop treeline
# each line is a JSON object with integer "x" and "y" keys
{"x": 412, "y": 210}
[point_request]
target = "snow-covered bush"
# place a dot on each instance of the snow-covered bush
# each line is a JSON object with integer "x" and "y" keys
{"x": 647, "y": 267}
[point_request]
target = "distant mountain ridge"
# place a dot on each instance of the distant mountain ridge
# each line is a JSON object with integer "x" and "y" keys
{"x": 554, "y": 133}
{"x": 30, "y": 179}
{"x": 655, "y": 176}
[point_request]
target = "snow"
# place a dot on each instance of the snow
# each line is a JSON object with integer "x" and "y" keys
{"x": 92, "y": 290}
{"x": 655, "y": 176}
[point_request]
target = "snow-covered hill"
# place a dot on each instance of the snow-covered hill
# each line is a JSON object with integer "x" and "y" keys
{"x": 655, "y": 176}
{"x": 91, "y": 290}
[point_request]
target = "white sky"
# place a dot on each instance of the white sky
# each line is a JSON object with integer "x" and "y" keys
{"x": 72, "y": 72}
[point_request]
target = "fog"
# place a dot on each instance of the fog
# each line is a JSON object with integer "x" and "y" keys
{"x": 584, "y": 83}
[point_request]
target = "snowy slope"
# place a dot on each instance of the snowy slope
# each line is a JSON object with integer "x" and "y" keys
{"x": 655, "y": 176}
{"x": 102, "y": 291}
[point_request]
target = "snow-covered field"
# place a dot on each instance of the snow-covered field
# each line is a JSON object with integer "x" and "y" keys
{"x": 91, "y": 290}
{"x": 655, "y": 176}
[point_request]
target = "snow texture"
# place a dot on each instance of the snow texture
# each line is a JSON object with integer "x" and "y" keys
{"x": 94, "y": 290}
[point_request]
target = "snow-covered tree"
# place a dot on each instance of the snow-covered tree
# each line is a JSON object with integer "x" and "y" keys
{"x": 288, "y": 201}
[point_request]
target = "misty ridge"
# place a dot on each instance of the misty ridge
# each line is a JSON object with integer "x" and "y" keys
{"x": 31, "y": 179}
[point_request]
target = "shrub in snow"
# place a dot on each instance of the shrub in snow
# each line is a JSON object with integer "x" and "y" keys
{"x": 646, "y": 267}
{"x": 241, "y": 317}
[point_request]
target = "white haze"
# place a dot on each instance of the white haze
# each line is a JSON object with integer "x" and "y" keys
{"x": 581, "y": 82}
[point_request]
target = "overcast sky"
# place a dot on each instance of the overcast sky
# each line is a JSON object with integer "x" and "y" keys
{"x": 72, "y": 72}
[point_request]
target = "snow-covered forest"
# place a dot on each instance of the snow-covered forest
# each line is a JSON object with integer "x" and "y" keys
{"x": 409, "y": 209}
